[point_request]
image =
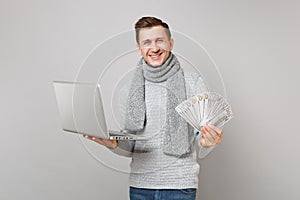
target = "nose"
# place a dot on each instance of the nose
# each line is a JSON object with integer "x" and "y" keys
{"x": 154, "y": 46}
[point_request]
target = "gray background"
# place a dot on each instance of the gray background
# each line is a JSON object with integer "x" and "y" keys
{"x": 255, "y": 44}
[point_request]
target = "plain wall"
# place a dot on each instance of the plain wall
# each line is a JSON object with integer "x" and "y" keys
{"x": 255, "y": 45}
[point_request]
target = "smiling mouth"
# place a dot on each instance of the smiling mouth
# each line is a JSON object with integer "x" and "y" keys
{"x": 155, "y": 56}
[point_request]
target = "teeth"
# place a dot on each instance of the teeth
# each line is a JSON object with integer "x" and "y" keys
{"x": 154, "y": 57}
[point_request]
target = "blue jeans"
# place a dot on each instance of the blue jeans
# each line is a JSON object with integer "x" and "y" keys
{"x": 162, "y": 194}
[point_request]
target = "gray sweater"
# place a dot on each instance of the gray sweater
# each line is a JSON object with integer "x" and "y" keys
{"x": 150, "y": 167}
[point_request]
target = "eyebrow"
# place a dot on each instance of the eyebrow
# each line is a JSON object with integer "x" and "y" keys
{"x": 147, "y": 40}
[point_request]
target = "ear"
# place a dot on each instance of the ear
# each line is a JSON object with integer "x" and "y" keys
{"x": 171, "y": 44}
{"x": 138, "y": 48}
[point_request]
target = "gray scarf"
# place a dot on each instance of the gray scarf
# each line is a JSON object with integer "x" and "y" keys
{"x": 178, "y": 135}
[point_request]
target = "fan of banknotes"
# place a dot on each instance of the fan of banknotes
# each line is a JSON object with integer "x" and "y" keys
{"x": 208, "y": 108}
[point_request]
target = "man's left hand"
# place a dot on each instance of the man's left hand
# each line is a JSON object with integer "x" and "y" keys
{"x": 211, "y": 136}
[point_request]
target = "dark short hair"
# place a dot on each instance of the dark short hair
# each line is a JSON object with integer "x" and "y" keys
{"x": 148, "y": 22}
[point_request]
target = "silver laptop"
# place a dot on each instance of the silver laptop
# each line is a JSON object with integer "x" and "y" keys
{"x": 81, "y": 111}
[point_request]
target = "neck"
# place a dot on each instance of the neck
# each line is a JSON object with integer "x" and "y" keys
{"x": 162, "y": 72}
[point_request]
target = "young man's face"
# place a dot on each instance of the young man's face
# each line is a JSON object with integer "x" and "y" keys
{"x": 154, "y": 45}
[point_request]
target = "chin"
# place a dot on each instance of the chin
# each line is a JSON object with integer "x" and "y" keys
{"x": 155, "y": 63}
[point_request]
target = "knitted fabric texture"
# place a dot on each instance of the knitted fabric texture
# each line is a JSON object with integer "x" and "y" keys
{"x": 178, "y": 134}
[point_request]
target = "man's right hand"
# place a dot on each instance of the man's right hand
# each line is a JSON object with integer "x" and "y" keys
{"x": 112, "y": 144}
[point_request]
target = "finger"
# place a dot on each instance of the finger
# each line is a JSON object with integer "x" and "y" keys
{"x": 98, "y": 140}
{"x": 208, "y": 139}
{"x": 211, "y": 135}
{"x": 88, "y": 137}
{"x": 216, "y": 129}
{"x": 217, "y": 132}
{"x": 202, "y": 129}
{"x": 220, "y": 138}
{"x": 95, "y": 139}
{"x": 205, "y": 141}
{"x": 109, "y": 143}
{"x": 106, "y": 142}
{"x": 215, "y": 137}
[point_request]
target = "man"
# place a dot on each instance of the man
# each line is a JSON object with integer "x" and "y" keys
{"x": 165, "y": 166}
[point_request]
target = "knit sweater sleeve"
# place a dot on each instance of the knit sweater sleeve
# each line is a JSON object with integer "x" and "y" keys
{"x": 197, "y": 86}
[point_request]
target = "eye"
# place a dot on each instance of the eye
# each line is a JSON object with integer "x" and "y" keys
{"x": 146, "y": 43}
{"x": 160, "y": 40}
